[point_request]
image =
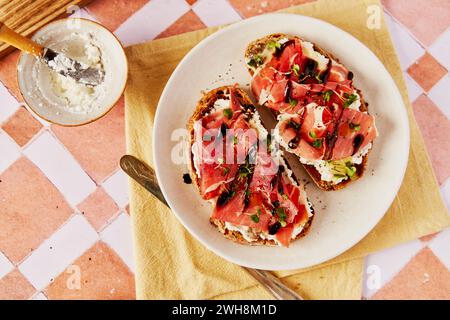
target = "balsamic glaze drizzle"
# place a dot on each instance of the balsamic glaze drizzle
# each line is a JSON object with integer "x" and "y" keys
{"x": 187, "y": 178}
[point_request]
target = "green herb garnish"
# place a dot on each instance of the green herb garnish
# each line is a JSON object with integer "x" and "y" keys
{"x": 255, "y": 217}
{"x": 296, "y": 69}
{"x": 235, "y": 140}
{"x": 293, "y": 102}
{"x": 317, "y": 143}
{"x": 318, "y": 78}
{"x": 343, "y": 168}
{"x": 350, "y": 171}
{"x": 245, "y": 170}
{"x": 225, "y": 171}
{"x": 312, "y": 134}
{"x": 354, "y": 126}
{"x": 281, "y": 214}
{"x": 274, "y": 45}
{"x": 255, "y": 61}
{"x": 294, "y": 125}
{"x": 327, "y": 95}
{"x": 228, "y": 113}
{"x": 350, "y": 98}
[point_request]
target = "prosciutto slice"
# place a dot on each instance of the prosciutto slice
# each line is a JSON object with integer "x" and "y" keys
{"x": 242, "y": 178}
{"x": 337, "y": 73}
{"x": 291, "y": 204}
{"x": 305, "y": 135}
{"x": 290, "y": 83}
{"x": 355, "y": 131}
{"x": 237, "y": 213}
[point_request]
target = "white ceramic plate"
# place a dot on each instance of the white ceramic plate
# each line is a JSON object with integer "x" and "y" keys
{"x": 342, "y": 217}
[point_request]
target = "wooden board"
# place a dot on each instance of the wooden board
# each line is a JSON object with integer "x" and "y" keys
{"x": 27, "y": 16}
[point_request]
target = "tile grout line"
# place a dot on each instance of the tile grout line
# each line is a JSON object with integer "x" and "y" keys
{"x": 101, "y": 238}
{"x": 73, "y": 157}
{"x": 71, "y": 262}
{"x": 406, "y": 28}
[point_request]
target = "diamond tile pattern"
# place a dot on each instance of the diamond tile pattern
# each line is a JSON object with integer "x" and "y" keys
{"x": 22, "y": 126}
{"x": 8, "y": 74}
{"x": 249, "y": 8}
{"x": 102, "y": 276}
{"x": 96, "y": 146}
{"x": 426, "y": 20}
{"x": 432, "y": 120}
{"x": 188, "y": 22}
{"x": 31, "y": 209}
{"x": 99, "y": 208}
{"x": 65, "y": 233}
{"x": 427, "y": 71}
{"x": 424, "y": 277}
{"x": 14, "y": 286}
{"x": 112, "y": 13}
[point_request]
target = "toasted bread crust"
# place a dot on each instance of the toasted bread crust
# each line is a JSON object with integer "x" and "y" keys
{"x": 255, "y": 48}
{"x": 237, "y": 236}
{"x": 204, "y": 106}
{"x": 258, "y": 46}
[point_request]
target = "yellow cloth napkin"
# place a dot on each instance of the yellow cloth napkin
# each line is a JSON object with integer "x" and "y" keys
{"x": 172, "y": 264}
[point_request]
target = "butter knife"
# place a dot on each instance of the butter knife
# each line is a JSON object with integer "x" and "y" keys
{"x": 146, "y": 177}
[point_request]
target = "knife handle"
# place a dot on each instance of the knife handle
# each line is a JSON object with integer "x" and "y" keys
{"x": 20, "y": 42}
{"x": 142, "y": 174}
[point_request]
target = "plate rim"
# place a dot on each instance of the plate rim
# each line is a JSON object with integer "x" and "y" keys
{"x": 261, "y": 265}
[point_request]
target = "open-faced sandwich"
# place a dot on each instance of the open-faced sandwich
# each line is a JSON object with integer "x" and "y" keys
{"x": 321, "y": 117}
{"x": 256, "y": 199}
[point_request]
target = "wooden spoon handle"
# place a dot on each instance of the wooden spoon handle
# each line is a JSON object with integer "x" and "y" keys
{"x": 20, "y": 42}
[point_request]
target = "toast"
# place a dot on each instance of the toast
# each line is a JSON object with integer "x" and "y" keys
{"x": 258, "y": 54}
{"x": 251, "y": 235}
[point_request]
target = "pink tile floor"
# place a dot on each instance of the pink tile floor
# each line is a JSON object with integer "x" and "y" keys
{"x": 63, "y": 200}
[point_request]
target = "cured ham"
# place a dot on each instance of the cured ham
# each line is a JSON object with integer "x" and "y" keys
{"x": 323, "y": 100}
{"x": 264, "y": 172}
{"x": 237, "y": 213}
{"x": 292, "y": 206}
{"x": 291, "y": 54}
{"x": 337, "y": 72}
{"x": 305, "y": 135}
{"x": 248, "y": 185}
{"x": 355, "y": 131}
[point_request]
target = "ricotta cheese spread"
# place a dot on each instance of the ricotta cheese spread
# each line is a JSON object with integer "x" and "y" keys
{"x": 65, "y": 92}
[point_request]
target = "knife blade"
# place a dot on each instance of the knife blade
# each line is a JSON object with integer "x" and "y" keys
{"x": 71, "y": 68}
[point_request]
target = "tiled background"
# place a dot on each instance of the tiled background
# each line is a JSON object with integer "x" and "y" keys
{"x": 63, "y": 200}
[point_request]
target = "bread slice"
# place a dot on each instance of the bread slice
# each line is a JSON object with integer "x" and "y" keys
{"x": 203, "y": 108}
{"x": 258, "y": 46}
